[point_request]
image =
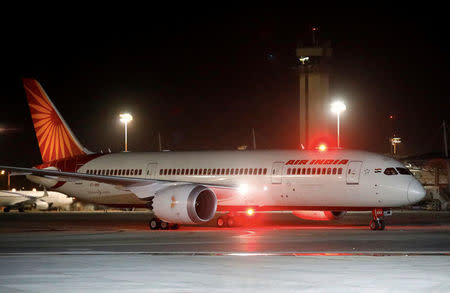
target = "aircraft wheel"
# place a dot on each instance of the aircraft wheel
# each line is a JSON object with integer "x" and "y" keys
{"x": 154, "y": 224}
{"x": 164, "y": 225}
{"x": 174, "y": 226}
{"x": 373, "y": 225}
{"x": 6, "y": 210}
{"x": 231, "y": 222}
{"x": 220, "y": 222}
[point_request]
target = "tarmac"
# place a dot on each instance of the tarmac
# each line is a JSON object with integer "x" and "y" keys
{"x": 116, "y": 251}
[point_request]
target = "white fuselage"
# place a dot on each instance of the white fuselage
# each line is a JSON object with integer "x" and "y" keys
{"x": 278, "y": 183}
{"x": 55, "y": 199}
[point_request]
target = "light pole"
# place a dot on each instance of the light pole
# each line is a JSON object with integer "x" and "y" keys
{"x": 125, "y": 118}
{"x": 338, "y": 107}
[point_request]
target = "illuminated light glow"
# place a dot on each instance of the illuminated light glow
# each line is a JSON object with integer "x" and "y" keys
{"x": 338, "y": 107}
{"x": 243, "y": 189}
{"x": 3, "y": 172}
{"x": 13, "y": 190}
{"x": 34, "y": 189}
{"x": 265, "y": 188}
{"x": 125, "y": 117}
{"x": 250, "y": 212}
{"x": 303, "y": 59}
{"x": 322, "y": 147}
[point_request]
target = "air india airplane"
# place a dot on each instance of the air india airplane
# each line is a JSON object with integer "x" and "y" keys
{"x": 190, "y": 187}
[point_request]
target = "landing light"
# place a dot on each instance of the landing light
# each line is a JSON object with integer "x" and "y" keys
{"x": 250, "y": 212}
{"x": 243, "y": 189}
{"x": 322, "y": 147}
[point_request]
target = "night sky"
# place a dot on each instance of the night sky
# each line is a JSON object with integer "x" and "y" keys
{"x": 205, "y": 77}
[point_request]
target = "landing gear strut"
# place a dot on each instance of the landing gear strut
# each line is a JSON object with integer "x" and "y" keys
{"x": 377, "y": 222}
{"x": 156, "y": 224}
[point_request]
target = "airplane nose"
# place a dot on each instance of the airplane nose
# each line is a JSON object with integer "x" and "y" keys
{"x": 416, "y": 192}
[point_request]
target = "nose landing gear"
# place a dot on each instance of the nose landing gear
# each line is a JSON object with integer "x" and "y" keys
{"x": 377, "y": 222}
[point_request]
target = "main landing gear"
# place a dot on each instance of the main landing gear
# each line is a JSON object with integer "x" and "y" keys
{"x": 157, "y": 224}
{"x": 377, "y": 222}
{"x": 226, "y": 221}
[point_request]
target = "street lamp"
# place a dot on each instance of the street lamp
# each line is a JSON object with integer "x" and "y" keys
{"x": 125, "y": 118}
{"x": 338, "y": 107}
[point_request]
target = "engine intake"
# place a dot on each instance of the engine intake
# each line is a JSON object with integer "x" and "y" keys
{"x": 185, "y": 204}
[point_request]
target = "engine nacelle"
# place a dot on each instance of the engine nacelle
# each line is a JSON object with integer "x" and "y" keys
{"x": 41, "y": 205}
{"x": 185, "y": 204}
{"x": 319, "y": 215}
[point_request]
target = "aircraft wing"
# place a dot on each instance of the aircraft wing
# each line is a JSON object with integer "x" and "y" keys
{"x": 142, "y": 187}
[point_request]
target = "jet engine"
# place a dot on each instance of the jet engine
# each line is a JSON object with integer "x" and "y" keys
{"x": 319, "y": 215}
{"x": 41, "y": 205}
{"x": 185, "y": 204}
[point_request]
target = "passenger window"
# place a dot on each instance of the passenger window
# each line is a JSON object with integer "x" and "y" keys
{"x": 339, "y": 171}
{"x": 288, "y": 171}
{"x": 265, "y": 171}
{"x": 299, "y": 171}
{"x": 313, "y": 171}
{"x": 140, "y": 171}
{"x": 161, "y": 172}
{"x": 390, "y": 171}
{"x": 231, "y": 171}
{"x": 308, "y": 171}
{"x": 334, "y": 171}
{"x": 259, "y": 171}
{"x": 303, "y": 171}
{"x": 329, "y": 171}
{"x": 128, "y": 171}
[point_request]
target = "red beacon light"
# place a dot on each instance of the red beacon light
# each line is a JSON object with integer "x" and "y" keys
{"x": 322, "y": 147}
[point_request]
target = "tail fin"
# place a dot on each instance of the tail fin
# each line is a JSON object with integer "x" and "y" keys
{"x": 56, "y": 140}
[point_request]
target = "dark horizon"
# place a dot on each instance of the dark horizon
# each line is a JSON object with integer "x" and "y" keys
{"x": 204, "y": 82}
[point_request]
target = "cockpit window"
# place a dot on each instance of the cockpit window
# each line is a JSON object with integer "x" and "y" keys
{"x": 403, "y": 171}
{"x": 390, "y": 171}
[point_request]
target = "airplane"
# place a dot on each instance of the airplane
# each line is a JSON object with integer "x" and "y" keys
{"x": 41, "y": 200}
{"x": 191, "y": 187}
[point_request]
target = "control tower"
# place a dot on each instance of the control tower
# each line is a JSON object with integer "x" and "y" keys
{"x": 314, "y": 80}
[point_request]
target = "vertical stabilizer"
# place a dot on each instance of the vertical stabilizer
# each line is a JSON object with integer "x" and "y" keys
{"x": 56, "y": 140}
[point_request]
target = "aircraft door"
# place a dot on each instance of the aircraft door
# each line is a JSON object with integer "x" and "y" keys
{"x": 277, "y": 171}
{"x": 150, "y": 173}
{"x": 353, "y": 171}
